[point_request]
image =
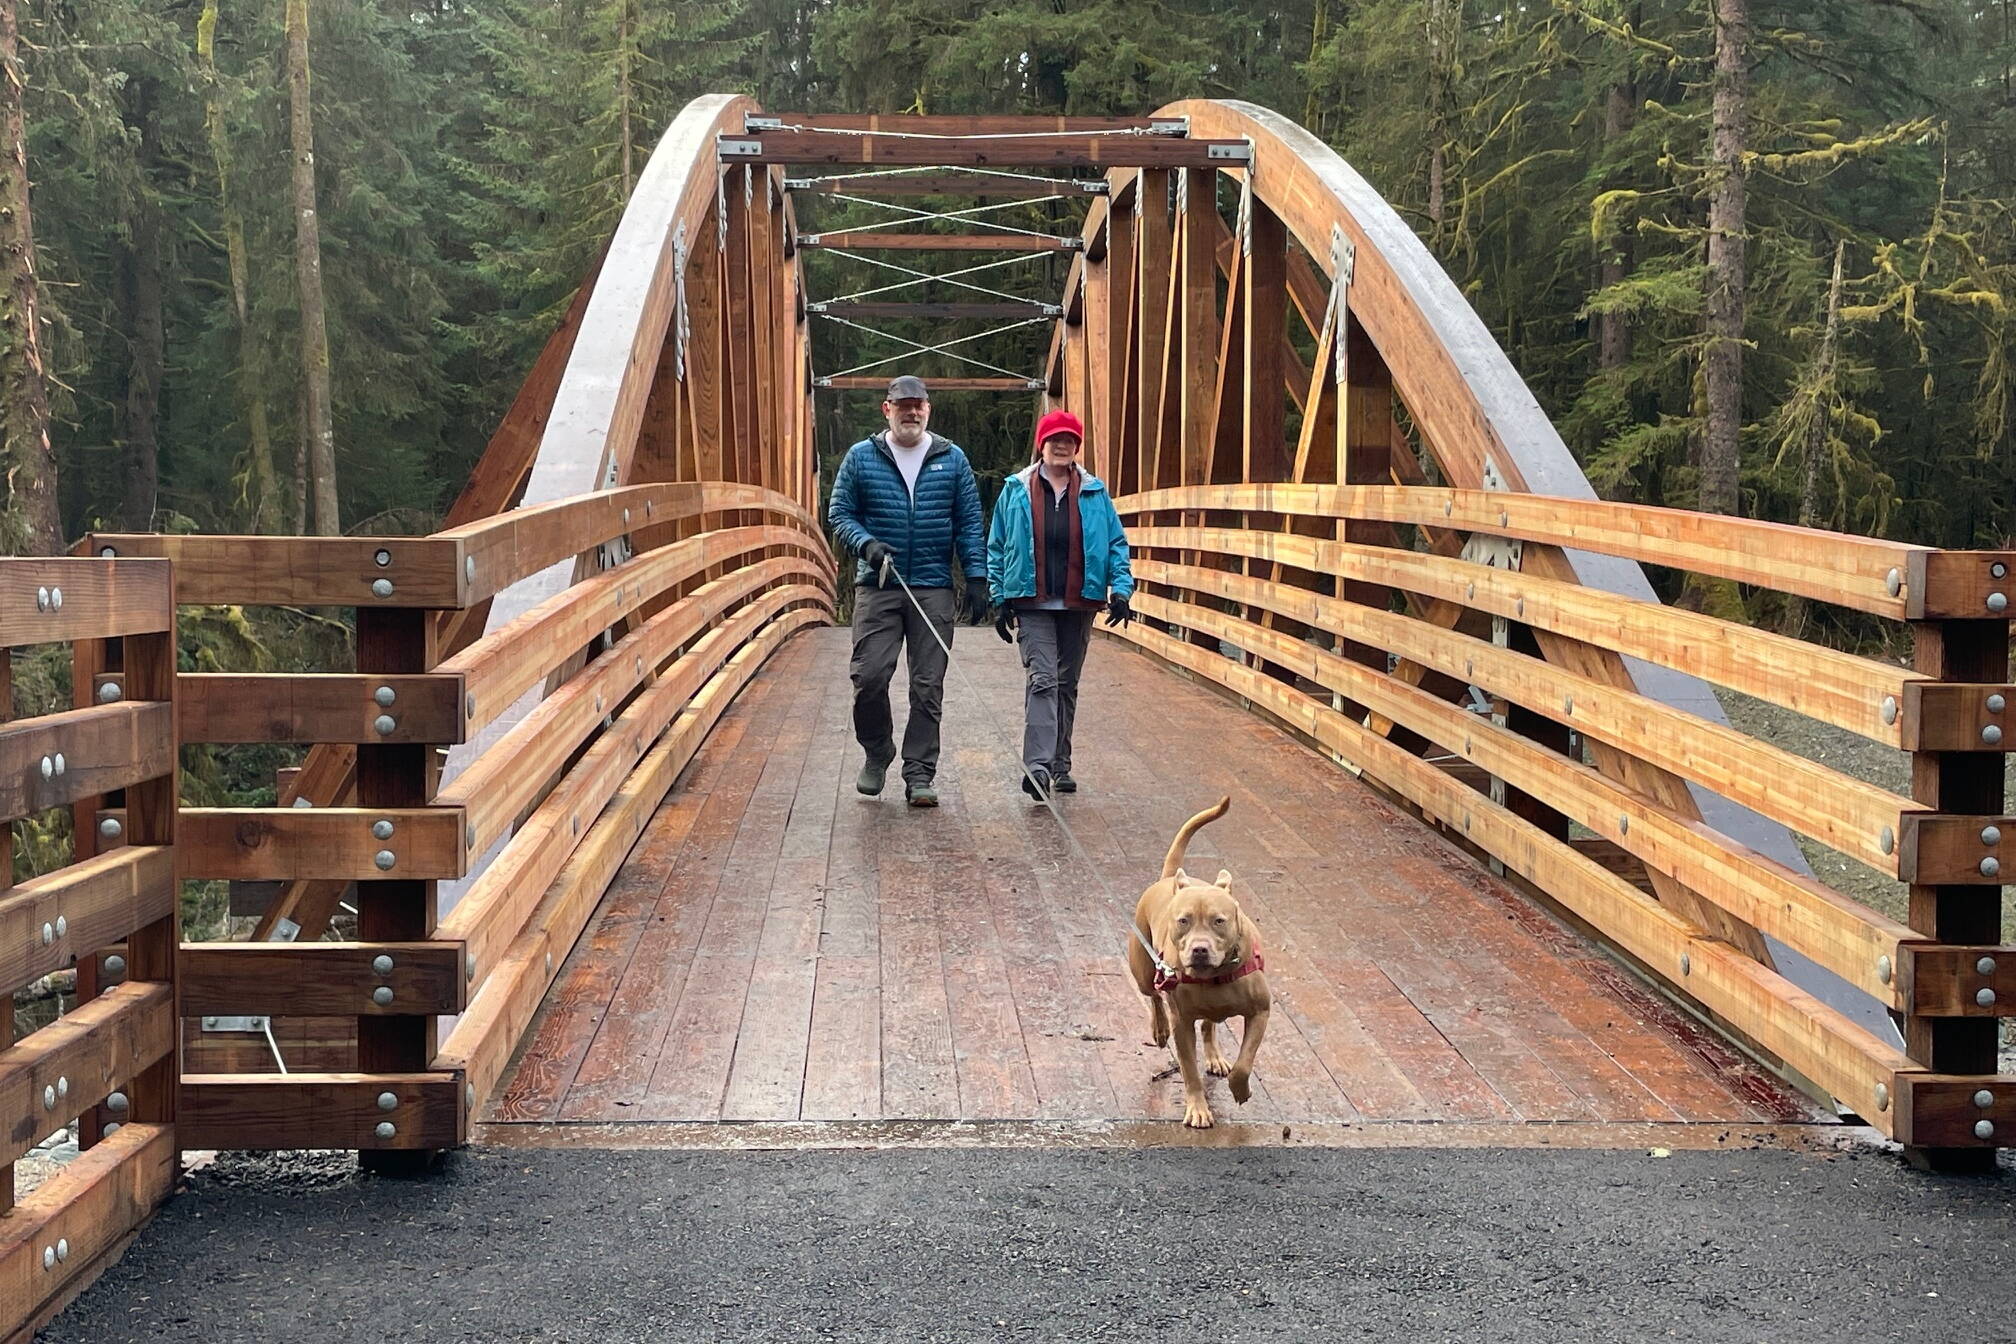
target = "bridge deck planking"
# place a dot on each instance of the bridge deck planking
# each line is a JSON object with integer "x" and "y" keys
{"x": 690, "y": 1079}
{"x": 617, "y": 1065}
{"x": 779, "y": 948}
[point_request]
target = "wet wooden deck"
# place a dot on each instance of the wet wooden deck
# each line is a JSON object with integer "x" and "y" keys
{"x": 780, "y": 949}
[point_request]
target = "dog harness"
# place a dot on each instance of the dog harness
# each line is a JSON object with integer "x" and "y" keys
{"x": 1167, "y": 979}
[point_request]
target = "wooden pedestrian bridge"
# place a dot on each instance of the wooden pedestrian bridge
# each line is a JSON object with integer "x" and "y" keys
{"x": 574, "y": 852}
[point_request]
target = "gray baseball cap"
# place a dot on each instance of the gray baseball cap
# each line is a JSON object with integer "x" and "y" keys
{"x": 906, "y": 387}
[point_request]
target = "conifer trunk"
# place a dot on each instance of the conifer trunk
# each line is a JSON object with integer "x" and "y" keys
{"x": 1815, "y": 448}
{"x": 261, "y": 490}
{"x": 1721, "y": 440}
{"x": 30, "y": 523}
{"x": 1613, "y": 343}
{"x": 1438, "y": 111}
{"x": 142, "y": 305}
{"x": 318, "y": 427}
{"x": 624, "y": 46}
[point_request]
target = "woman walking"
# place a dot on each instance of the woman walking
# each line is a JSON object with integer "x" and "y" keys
{"x": 1058, "y": 554}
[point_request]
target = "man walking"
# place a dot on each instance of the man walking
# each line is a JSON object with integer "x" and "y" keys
{"x": 905, "y": 501}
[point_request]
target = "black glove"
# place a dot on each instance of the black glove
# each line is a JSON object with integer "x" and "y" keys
{"x": 1117, "y": 611}
{"x": 976, "y": 602}
{"x": 1004, "y": 624}
{"x": 880, "y": 558}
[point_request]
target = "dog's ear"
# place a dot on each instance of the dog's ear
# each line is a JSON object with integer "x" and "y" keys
{"x": 1181, "y": 878}
{"x": 1249, "y": 936}
{"x": 1225, "y": 878}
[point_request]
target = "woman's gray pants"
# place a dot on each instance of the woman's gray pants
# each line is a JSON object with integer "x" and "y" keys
{"x": 1052, "y": 644}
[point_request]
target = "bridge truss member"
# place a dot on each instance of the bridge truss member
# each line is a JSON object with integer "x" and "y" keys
{"x": 905, "y": 501}
{"x": 1058, "y": 554}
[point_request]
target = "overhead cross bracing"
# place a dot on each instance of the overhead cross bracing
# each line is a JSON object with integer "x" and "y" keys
{"x": 950, "y": 157}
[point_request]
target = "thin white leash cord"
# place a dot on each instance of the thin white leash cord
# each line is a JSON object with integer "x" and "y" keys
{"x": 889, "y": 568}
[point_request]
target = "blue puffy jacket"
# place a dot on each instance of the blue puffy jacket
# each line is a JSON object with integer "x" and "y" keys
{"x": 1011, "y": 541}
{"x": 870, "y": 502}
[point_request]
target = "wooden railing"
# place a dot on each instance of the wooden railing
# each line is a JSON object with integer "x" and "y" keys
{"x": 1280, "y": 400}
{"x": 636, "y": 661}
{"x": 110, "y": 913}
{"x": 1348, "y": 673}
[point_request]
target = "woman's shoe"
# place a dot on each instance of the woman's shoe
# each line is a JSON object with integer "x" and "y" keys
{"x": 1036, "y": 783}
{"x": 1064, "y": 784}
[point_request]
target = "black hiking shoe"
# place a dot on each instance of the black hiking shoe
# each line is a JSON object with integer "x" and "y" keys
{"x": 870, "y": 780}
{"x": 1064, "y": 784}
{"x": 920, "y": 795}
{"x": 1036, "y": 782}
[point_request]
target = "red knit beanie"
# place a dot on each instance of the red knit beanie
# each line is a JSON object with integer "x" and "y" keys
{"x": 1059, "y": 422}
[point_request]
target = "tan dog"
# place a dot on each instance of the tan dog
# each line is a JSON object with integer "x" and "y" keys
{"x": 1213, "y": 950}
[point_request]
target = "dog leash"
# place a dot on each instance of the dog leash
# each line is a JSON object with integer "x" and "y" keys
{"x": 1162, "y": 968}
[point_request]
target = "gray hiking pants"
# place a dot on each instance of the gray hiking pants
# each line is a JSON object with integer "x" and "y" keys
{"x": 884, "y": 624}
{"x": 1052, "y": 644}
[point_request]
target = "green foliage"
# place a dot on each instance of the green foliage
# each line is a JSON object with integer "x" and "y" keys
{"x": 473, "y": 157}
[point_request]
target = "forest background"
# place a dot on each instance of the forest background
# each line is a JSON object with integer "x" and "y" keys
{"x": 279, "y": 265}
{"x": 206, "y": 362}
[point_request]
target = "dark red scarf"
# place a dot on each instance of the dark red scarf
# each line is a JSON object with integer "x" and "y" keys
{"x": 1074, "y": 577}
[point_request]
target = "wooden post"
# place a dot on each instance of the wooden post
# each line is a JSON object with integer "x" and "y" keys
{"x": 149, "y": 664}
{"x": 93, "y": 662}
{"x": 1264, "y": 269}
{"x": 1957, "y": 782}
{"x": 1364, "y": 457}
{"x": 6, "y": 881}
{"x": 1122, "y": 424}
{"x": 396, "y": 909}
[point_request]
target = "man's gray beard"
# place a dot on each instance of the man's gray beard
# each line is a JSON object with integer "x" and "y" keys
{"x": 910, "y": 438}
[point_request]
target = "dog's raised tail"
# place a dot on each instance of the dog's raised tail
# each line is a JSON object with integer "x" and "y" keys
{"x": 1190, "y": 828}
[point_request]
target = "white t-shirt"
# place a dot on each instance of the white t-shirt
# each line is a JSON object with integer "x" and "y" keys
{"x": 910, "y": 461}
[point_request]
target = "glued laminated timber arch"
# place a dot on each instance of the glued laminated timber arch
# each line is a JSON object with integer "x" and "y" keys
{"x": 1470, "y": 408}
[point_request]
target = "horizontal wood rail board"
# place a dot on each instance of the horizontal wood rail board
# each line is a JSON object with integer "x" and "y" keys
{"x": 313, "y": 707}
{"x": 1850, "y": 939}
{"x": 1834, "y": 808}
{"x": 1059, "y": 151}
{"x": 1811, "y": 1037}
{"x": 88, "y": 1209}
{"x": 527, "y": 959}
{"x": 53, "y": 921}
{"x": 506, "y": 780}
{"x": 323, "y": 979}
{"x": 511, "y": 660}
{"x": 911, "y": 123}
{"x": 51, "y": 1076}
{"x": 1958, "y": 716}
{"x": 845, "y": 382}
{"x": 53, "y": 760}
{"x": 951, "y": 312}
{"x": 319, "y": 1110}
{"x": 1849, "y": 571}
{"x": 1956, "y": 850}
{"x": 1942, "y": 980}
{"x": 938, "y": 242}
{"x": 52, "y": 599}
{"x": 301, "y": 571}
{"x": 494, "y": 908}
{"x": 251, "y": 843}
{"x": 1960, "y": 585}
{"x": 499, "y": 551}
{"x": 1942, "y": 1110}
{"x": 948, "y": 184}
{"x": 1838, "y": 688}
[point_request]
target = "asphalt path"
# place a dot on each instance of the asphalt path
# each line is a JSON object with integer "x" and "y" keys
{"x": 604, "y": 1247}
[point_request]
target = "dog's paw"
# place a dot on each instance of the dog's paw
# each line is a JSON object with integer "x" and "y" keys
{"x": 1217, "y": 1065}
{"x": 1241, "y": 1087}
{"x": 1196, "y": 1115}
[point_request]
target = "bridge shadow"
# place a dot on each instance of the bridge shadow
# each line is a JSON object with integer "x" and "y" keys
{"x": 779, "y": 950}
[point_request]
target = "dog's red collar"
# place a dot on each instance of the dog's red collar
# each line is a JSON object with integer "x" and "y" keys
{"x": 1166, "y": 980}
